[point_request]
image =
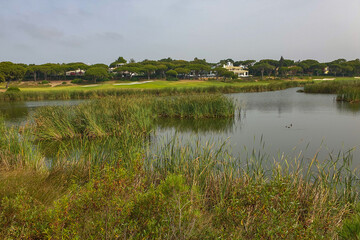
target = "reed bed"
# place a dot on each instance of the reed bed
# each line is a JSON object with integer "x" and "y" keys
{"x": 348, "y": 91}
{"x": 204, "y": 106}
{"x": 126, "y": 115}
{"x": 349, "y": 94}
{"x": 17, "y": 150}
{"x": 108, "y": 117}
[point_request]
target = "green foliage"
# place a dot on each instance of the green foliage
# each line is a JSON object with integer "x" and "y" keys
{"x": 97, "y": 73}
{"x": 13, "y": 89}
{"x": 10, "y": 71}
{"x": 64, "y": 83}
{"x": 77, "y": 81}
{"x": 351, "y": 227}
{"x": 45, "y": 82}
{"x": 171, "y": 75}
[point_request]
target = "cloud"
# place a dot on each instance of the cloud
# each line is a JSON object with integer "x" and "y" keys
{"x": 39, "y": 32}
{"x": 110, "y": 36}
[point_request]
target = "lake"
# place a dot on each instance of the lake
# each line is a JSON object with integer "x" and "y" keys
{"x": 279, "y": 122}
{"x": 275, "y": 123}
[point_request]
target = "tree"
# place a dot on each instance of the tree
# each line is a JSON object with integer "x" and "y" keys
{"x": 149, "y": 69}
{"x": 161, "y": 69}
{"x": 262, "y": 67}
{"x": 120, "y": 60}
{"x": 199, "y": 68}
{"x": 293, "y": 70}
{"x": 171, "y": 74}
{"x": 2, "y": 77}
{"x": 355, "y": 64}
{"x": 10, "y": 71}
{"x": 335, "y": 68}
{"x": 99, "y": 65}
{"x": 225, "y": 61}
{"x": 96, "y": 73}
{"x": 346, "y": 68}
{"x": 182, "y": 71}
{"x": 131, "y": 69}
{"x": 318, "y": 68}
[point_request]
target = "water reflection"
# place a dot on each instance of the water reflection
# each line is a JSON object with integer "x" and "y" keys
{"x": 348, "y": 107}
{"x": 14, "y": 112}
{"x": 18, "y": 112}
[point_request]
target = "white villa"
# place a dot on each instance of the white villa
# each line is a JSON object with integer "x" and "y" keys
{"x": 240, "y": 71}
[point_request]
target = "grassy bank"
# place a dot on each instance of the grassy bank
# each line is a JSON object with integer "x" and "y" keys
{"x": 348, "y": 91}
{"x": 98, "y": 179}
{"x": 146, "y": 89}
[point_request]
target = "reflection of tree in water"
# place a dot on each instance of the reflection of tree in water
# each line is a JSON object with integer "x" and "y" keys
{"x": 348, "y": 107}
{"x": 207, "y": 125}
{"x": 14, "y": 111}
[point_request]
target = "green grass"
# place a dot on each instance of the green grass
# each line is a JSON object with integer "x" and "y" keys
{"x": 154, "y": 88}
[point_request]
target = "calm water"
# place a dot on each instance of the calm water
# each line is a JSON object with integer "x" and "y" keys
{"x": 273, "y": 122}
{"x": 280, "y": 122}
{"x": 17, "y": 112}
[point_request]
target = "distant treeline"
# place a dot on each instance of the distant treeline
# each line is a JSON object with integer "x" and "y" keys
{"x": 174, "y": 69}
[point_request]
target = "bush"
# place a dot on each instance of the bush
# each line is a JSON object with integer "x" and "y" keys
{"x": 77, "y": 81}
{"x": 45, "y": 82}
{"x": 171, "y": 75}
{"x": 63, "y": 83}
{"x": 172, "y": 78}
{"x": 13, "y": 89}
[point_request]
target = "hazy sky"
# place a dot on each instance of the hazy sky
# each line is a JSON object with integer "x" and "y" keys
{"x": 92, "y": 31}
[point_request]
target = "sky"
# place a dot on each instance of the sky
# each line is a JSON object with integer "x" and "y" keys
{"x": 99, "y": 31}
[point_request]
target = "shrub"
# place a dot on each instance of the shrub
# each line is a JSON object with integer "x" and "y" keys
{"x": 45, "y": 82}
{"x": 172, "y": 79}
{"x": 13, "y": 89}
{"x": 63, "y": 83}
{"x": 77, "y": 81}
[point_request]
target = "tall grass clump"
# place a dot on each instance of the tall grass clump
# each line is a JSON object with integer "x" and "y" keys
{"x": 348, "y": 91}
{"x": 17, "y": 150}
{"x": 99, "y": 118}
{"x": 126, "y": 115}
{"x": 196, "y": 106}
{"x": 330, "y": 87}
{"x": 349, "y": 94}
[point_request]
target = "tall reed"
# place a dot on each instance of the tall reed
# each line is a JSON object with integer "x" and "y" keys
{"x": 117, "y": 116}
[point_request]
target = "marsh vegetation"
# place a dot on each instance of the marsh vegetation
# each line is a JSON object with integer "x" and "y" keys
{"x": 87, "y": 171}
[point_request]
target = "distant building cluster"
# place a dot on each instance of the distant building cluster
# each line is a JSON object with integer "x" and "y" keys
{"x": 77, "y": 72}
{"x": 240, "y": 71}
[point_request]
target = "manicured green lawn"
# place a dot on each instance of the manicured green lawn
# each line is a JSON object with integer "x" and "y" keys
{"x": 150, "y": 85}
